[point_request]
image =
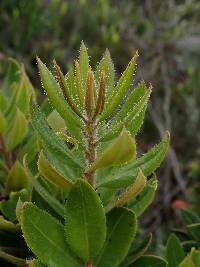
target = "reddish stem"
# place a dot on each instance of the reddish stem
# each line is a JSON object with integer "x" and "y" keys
{"x": 89, "y": 264}
{"x": 90, "y": 153}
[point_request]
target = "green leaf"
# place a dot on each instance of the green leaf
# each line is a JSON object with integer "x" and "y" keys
{"x": 120, "y": 89}
{"x": 121, "y": 229}
{"x": 8, "y": 207}
{"x": 30, "y": 148}
{"x": 57, "y": 152}
{"x": 45, "y": 237}
{"x": 17, "y": 178}
{"x": 148, "y": 163}
{"x": 3, "y": 102}
{"x": 19, "y": 208}
{"x": 149, "y": 261}
{"x": 18, "y": 130}
{"x": 145, "y": 198}
{"x": 196, "y": 257}
{"x": 12, "y": 76}
{"x": 132, "y": 121}
{"x": 70, "y": 81}
{"x": 25, "y": 91}
{"x": 56, "y": 121}
{"x": 120, "y": 151}
{"x": 11, "y": 108}
{"x": 85, "y": 220}
{"x": 106, "y": 65}
{"x": 137, "y": 251}
{"x": 132, "y": 100}
{"x": 194, "y": 230}
{"x": 189, "y": 217}
{"x": 47, "y": 196}
{"x": 57, "y": 99}
{"x": 130, "y": 192}
{"x": 192, "y": 259}
{"x": 3, "y": 123}
{"x": 51, "y": 174}
{"x": 84, "y": 66}
{"x": 174, "y": 251}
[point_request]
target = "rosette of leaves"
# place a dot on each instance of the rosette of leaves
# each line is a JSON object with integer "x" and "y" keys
{"x": 16, "y": 140}
{"x": 103, "y": 186}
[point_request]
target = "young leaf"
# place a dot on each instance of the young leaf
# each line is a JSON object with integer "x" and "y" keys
{"x": 45, "y": 237}
{"x": 84, "y": 221}
{"x": 84, "y": 65}
{"x": 18, "y": 130}
{"x": 120, "y": 89}
{"x": 120, "y": 151}
{"x": 57, "y": 152}
{"x": 12, "y": 76}
{"x": 57, "y": 99}
{"x": 17, "y": 178}
{"x": 70, "y": 83}
{"x": 174, "y": 251}
{"x": 51, "y": 174}
{"x": 149, "y": 261}
{"x": 148, "y": 163}
{"x": 25, "y": 92}
{"x": 106, "y": 66}
{"x": 64, "y": 86}
{"x": 89, "y": 94}
{"x": 121, "y": 229}
{"x": 145, "y": 198}
{"x": 132, "y": 121}
{"x": 130, "y": 192}
{"x": 132, "y": 100}
{"x": 101, "y": 95}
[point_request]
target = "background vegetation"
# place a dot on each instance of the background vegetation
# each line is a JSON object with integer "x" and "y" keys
{"x": 166, "y": 33}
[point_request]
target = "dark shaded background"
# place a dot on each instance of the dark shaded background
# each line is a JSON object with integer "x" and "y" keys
{"x": 167, "y": 35}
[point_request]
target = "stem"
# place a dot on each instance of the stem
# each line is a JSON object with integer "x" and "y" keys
{"x": 5, "y": 153}
{"x": 89, "y": 264}
{"x": 90, "y": 153}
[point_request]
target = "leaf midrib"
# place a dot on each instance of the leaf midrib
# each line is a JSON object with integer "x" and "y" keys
{"x": 105, "y": 244}
{"x": 84, "y": 220}
{"x": 45, "y": 236}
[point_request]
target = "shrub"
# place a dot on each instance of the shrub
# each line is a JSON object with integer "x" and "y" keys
{"x": 91, "y": 186}
{"x": 92, "y": 162}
